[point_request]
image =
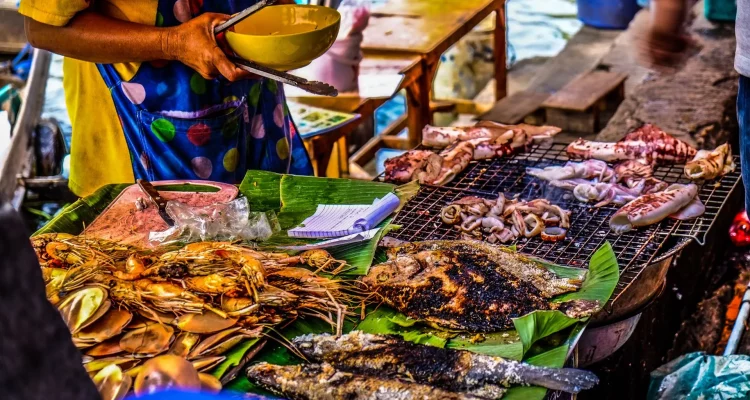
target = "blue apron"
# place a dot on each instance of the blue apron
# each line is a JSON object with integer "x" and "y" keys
{"x": 179, "y": 125}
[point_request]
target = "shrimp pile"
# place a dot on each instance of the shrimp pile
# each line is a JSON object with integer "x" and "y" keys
{"x": 123, "y": 304}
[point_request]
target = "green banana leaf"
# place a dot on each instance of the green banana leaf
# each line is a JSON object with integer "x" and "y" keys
{"x": 297, "y": 197}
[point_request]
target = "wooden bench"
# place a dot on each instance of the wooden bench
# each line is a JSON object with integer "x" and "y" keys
{"x": 582, "y": 104}
{"x": 517, "y": 108}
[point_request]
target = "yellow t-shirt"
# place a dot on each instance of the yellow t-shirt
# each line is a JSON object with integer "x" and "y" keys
{"x": 98, "y": 154}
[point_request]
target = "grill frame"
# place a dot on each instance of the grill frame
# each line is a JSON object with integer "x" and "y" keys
{"x": 635, "y": 250}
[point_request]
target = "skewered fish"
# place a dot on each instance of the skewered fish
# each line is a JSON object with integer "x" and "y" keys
{"x": 423, "y": 165}
{"x": 469, "y": 285}
{"x": 652, "y": 208}
{"x": 709, "y": 164}
{"x": 588, "y": 169}
{"x": 455, "y": 370}
{"x": 323, "y": 382}
{"x": 647, "y": 142}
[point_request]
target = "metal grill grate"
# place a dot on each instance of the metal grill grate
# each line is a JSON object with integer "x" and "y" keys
{"x": 420, "y": 218}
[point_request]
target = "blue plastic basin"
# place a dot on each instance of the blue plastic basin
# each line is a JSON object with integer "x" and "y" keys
{"x": 607, "y": 14}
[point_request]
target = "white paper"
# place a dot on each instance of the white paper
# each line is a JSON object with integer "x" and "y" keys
{"x": 349, "y": 239}
{"x": 335, "y": 220}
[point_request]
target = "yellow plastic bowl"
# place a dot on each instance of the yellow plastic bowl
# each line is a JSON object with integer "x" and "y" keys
{"x": 285, "y": 37}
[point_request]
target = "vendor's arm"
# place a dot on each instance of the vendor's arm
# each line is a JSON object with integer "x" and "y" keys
{"x": 90, "y": 36}
{"x": 662, "y": 42}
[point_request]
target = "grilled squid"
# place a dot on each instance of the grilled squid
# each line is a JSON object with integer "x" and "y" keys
{"x": 451, "y": 214}
{"x": 589, "y": 169}
{"x": 423, "y": 165}
{"x": 647, "y": 143}
{"x": 709, "y": 164}
{"x": 455, "y": 159}
{"x": 652, "y": 208}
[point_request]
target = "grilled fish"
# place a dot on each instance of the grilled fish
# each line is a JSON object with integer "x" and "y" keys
{"x": 454, "y": 370}
{"x": 469, "y": 285}
{"x": 323, "y": 382}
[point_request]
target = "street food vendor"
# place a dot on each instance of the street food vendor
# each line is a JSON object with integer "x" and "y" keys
{"x": 151, "y": 94}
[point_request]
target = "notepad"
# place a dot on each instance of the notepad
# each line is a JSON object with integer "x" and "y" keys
{"x": 336, "y": 220}
{"x": 344, "y": 240}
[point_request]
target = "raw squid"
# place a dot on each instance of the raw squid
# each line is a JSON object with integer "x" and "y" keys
{"x": 517, "y": 136}
{"x": 588, "y": 169}
{"x": 423, "y": 165}
{"x": 455, "y": 159}
{"x": 652, "y": 208}
{"x": 709, "y": 164}
{"x": 648, "y": 143}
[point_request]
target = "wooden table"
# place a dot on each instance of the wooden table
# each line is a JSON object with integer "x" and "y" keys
{"x": 333, "y": 146}
{"x": 428, "y": 28}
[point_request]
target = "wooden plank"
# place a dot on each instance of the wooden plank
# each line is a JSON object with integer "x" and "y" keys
{"x": 398, "y": 143}
{"x": 367, "y": 152}
{"x": 514, "y": 108}
{"x": 581, "y": 93}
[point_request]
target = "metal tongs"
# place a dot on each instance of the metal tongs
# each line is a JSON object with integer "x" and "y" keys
{"x": 314, "y": 87}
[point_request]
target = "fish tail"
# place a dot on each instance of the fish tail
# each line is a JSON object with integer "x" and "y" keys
{"x": 565, "y": 379}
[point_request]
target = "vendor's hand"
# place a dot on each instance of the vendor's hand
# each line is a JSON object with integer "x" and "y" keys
{"x": 193, "y": 43}
{"x": 660, "y": 51}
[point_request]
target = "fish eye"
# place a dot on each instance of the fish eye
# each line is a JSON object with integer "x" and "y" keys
{"x": 383, "y": 276}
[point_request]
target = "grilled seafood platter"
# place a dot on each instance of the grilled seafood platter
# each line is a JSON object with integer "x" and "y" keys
{"x": 470, "y": 285}
{"x": 124, "y": 305}
{"x": 455, "y": 147}
{"x": 503, "y": 220}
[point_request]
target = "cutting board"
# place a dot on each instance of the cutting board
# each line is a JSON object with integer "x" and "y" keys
{"x": 125, "y": 223}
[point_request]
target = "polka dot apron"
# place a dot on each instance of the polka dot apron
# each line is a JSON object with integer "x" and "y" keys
{"x": 179, "y": 125}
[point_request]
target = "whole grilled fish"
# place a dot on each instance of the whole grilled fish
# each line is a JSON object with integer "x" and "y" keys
{"x": 468, "y": 285}
{"x": 454, "y": 370}
{"x": 323, "y": 382}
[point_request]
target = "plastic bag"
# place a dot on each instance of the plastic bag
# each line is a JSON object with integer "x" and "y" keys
{"x": 217, "y": 222}
{"x": 339, "y": 66}
{"x": 699, "y": 376}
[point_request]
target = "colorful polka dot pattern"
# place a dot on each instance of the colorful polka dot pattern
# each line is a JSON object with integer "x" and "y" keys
{"x": 163, "y": 129}
{"x": 178, "y": 125}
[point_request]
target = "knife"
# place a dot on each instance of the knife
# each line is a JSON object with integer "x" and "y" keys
{"x": 155, "y": 197}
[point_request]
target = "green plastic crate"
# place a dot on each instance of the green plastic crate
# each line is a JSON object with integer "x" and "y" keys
{"x": 720, "y": 10}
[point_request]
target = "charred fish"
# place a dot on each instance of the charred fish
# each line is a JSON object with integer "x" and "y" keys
{"x": 324, "y": 382}
{"x": 470, "y": 286}
{"x": 454, "y": 370}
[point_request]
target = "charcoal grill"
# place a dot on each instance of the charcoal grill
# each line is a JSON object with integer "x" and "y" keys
{"x": 636, "y": 250}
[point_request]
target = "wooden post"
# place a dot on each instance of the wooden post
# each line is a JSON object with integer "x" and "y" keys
{"x": 500, "y": 49}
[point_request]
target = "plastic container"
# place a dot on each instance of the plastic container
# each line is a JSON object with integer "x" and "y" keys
{"x": 720, "y": 10}
{"x": 607, "y": 14}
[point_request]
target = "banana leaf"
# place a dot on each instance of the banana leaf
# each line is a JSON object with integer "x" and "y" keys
{"x": 297, "y": 197}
